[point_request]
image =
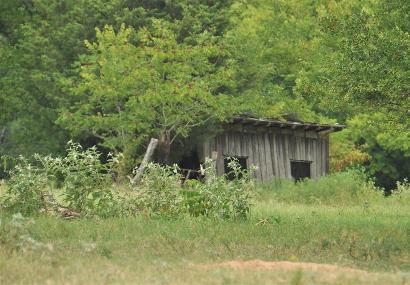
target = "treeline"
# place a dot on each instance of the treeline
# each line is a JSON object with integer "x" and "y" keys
{"x": 115, "y": 73}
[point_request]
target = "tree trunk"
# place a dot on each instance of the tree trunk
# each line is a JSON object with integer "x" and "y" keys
{"x": 164, "y": 148}
{"x": 2, "y": 135}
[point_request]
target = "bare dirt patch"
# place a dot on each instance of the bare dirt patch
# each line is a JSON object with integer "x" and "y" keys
{"x": 284, "y": 265}
{"x": 314, "y": 272}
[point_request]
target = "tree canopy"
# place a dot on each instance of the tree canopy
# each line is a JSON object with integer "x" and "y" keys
{"x": 114, "y": 73}
{"x": 156, "y": 87}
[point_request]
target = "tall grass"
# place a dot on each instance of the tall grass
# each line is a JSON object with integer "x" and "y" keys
{"x": 144, "y": 250}
{"x": 341, "y": 219}
{"x": 343, "y": 188}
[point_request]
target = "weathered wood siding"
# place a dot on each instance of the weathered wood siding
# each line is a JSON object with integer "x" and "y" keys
{"x": 271, "y": 150}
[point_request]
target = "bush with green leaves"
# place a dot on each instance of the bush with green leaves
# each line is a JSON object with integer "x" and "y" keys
{"x": 402, "y": 192}
{"x": 219, "y": 197}
{"x": 84, "y": 183}
{"x": 27, "y": 189}
{"x": 161, "y": 193}
{"x": 158, "y": 193}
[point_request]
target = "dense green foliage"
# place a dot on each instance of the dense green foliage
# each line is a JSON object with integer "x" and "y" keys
{"x": 114, "y": 73}
{"x": 156, "y": 87}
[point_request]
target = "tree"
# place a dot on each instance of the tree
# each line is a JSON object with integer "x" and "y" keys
{"x": 367, "y": 67}
{"x": 40, "y": 42}
{"x": 272, "y": 44}
{"x": 140, "y": 84}
{"x": 363, "y": 77}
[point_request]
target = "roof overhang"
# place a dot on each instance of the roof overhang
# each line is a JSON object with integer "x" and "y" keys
{"x": 267, "y": 123}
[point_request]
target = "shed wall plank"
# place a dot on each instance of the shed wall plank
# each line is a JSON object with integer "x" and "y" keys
{"x": 262, "y": 156}
{"x": 285, "y": 155}
{"x": 255, "y": 151}
{"x": 268, "y": 157}
{"x": 274, "y": 149}
{"x": 220, "y": 149}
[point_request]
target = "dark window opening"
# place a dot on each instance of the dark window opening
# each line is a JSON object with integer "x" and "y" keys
{"x": 242, "y": 162}
{"x": 300, "y": 170}
{"x": 190, "y": 166}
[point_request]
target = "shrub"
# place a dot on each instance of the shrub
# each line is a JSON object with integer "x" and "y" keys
{"x": 218, "y": 197}
{"x": 347, "y": 187}
{"x": 27, "y": 189}
{"x": 158, "y": 193}
{"x": 402, "y": 192}
{"x": 84, "y": 181}
{"x": 86, "y": 187}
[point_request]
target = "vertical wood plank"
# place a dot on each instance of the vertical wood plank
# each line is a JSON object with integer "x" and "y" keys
{"x": 265, "y": 158}
{"x": 237, "y": 143}
{"x": 257, "y": 156}
{"x": 323, "y": 156}
{"x": 283, "y": 156}
{"x": 255, "y": 151}
{"x": 242, "y": 141}
{"x": 220, "y": 149}
{"x": 303, "y": 148}
{"x": 296, "y": 142}
{"x": 268, "y": 158}
{"x": 274, "y": 155}
{"x": 261, "y": 156}
{"x": 327, "y": 154}
{"x": 307, "y": 149}
{"x": 280, "y": 154}
{"x": 319, "y": 158}
{"x": 251, "y": 160}
{"x": 206, "y": 149}
{"x": 289, "y": 154}
{"x": 212, "y": 146}
{"x": 226, "y": 149}
{"x": 231, "y": 140}
{"x": 312, "y": 157}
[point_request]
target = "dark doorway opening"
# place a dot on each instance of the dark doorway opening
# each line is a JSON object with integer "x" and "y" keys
{"x": 190, "y": 166}
{"x": 300, "y": 170}
{"x": 242, "y": 162}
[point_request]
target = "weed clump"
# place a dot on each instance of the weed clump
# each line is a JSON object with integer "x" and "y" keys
{"x": 219, "y": 197}
{"x": 79, "y": 180}
{"x": 402, "y": 192}
{"x": 79, "y": 184}
{"x": 161, "y": 193}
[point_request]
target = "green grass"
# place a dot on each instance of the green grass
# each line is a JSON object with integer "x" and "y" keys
{"x": 374, "y": 236}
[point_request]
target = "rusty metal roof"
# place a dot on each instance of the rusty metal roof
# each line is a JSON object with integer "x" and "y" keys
{"x": 288, "y": 124}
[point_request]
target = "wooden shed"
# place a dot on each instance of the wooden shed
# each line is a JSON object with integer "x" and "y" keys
{"x": 279, "y": 149}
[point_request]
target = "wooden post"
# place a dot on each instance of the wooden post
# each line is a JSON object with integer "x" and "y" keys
{"x": 214, "y": 159}
{"x": 147, "y": 158}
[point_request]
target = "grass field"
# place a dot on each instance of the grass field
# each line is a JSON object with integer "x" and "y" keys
{"x": 369, "y": 244}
